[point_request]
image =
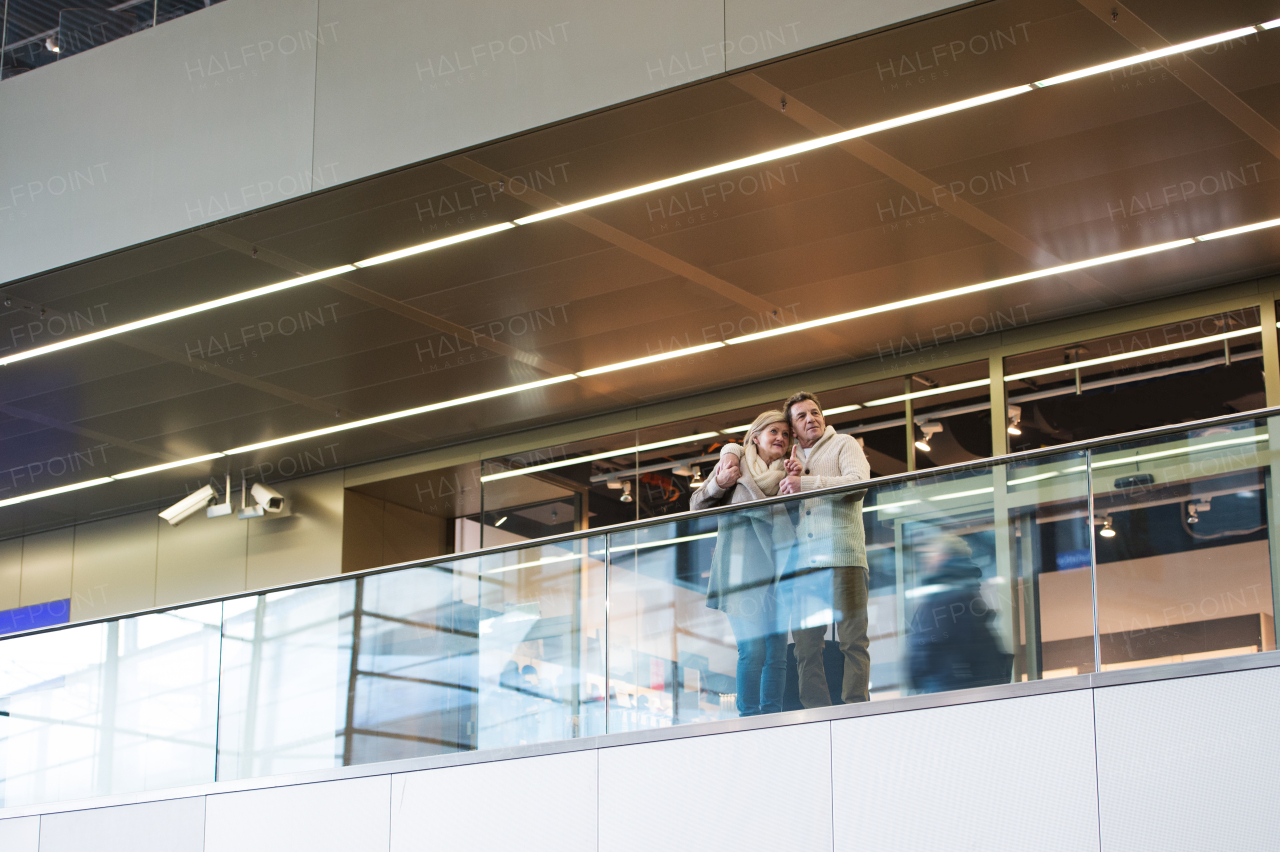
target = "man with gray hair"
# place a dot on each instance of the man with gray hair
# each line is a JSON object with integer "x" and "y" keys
{"x": 832, "y": 552}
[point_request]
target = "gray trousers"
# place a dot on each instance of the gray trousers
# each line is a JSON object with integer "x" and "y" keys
{"x": 849, "y": 608}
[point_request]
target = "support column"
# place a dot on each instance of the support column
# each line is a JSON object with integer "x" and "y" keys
{"x": 1271, "y": 381}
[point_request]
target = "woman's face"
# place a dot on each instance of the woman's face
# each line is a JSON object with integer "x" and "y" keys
{"x": 772, "y": 441}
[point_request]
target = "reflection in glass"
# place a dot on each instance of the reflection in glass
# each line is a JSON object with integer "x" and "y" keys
{"x": 1186, "y": 572}
{"x": 110, "y": 708}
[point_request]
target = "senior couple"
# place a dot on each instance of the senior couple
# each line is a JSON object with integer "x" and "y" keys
{"x": 796, "y": 566}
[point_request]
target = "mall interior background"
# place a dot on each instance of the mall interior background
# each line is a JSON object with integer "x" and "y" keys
{"x": 251, "y": 143}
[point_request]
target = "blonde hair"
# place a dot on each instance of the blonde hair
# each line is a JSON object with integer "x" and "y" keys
{"x": 763, "y": 420}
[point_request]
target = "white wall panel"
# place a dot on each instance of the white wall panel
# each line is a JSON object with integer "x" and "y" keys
{"x": 46, "y": 566}
{"x": 10, "y": 573}
{"x": 999, "y": 775}
{"x": 538, "y": 804}
{"x": 763, "y": 789}
{"x": 114, "y": 568}
{"x": 192, "y": 121}
{"x": 756, "y": 30}
{"x": 176, "y": 825}
{"x": 335, "y": 816}
{"x": 202, "y": 558}
{"x": 1190, "y": 764}
{"x": 20, "y": 835}
{"x": 307, "y": 544}
{"x": 405, "y": 81}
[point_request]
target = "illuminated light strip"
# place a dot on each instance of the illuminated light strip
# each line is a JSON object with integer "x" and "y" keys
{"x": 625, "y": 451}
{"x": 1194, "y": 448}
{"x": 972, "y": 493}
{"x": 52, "y": 491}
{"x": 172, "y": 315}
{"x": 775, "y": 154}
{"x": 396, "y": 415}
{"x": 1137, "y": 353}
{"x": 1148, "y": 56}
{"x": 977, "y": 383}
{"x": 651, "y": 359}
{"x": 886, "y": 506}
{"x": 546, "y": 560}
{"x": 434, "y": 244}
{"x": 142, "y": 471}
{"x": 961, "y": 291}
{"x": 1243, "y": 229}
{"x": 843, "y": 409}
{"x": 1270, "y": 25}
{"x": 644, "y": 545}
{"x": 1036, "y": 478}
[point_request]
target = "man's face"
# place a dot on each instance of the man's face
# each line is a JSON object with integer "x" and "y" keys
{"x": 806, "y": 419}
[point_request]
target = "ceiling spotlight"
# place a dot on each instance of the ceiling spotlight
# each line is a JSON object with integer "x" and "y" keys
{"x": 503, "y": 520}
{"x": 1107, "y": 531}
{"x": 1194, "y": 510}
{"x": 1015, "y": 417}
{"x": 613, "y": 484}
{"x": 626, "y": 492}
{"x": 696, "y": 482}
{"x": 51, "y": 43}
{"x": 189, "y": 505}
{"x": 682, "y": 470}
{"x": 924, "y": 431}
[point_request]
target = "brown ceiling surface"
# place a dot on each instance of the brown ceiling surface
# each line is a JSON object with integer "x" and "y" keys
{"x": 1100, "y": 165}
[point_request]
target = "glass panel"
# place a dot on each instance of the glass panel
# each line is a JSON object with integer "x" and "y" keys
{"x": 110, "y": 708}
{"x": 505, "y": 649}
{"x": 955, "y": 425}
{"x": 1184, "y": 560}
{"x": 1203, "y": 367}
{"x": 286, "y": 662}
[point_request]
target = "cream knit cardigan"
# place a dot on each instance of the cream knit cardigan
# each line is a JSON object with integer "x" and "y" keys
{"x": 830, "y": 531}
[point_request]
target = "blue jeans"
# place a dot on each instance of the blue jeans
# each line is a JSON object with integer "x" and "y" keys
{"x": 762, "y": 666}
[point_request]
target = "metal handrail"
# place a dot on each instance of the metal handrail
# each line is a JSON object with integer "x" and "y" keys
{"x": 868, "y": 485}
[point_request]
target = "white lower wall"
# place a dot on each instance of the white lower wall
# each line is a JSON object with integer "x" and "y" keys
{"x": 1181, "y": 764}
{"x": 1190, "y": 764}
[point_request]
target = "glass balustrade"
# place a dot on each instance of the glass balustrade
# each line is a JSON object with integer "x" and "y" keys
{"x": 1137, "y": 551}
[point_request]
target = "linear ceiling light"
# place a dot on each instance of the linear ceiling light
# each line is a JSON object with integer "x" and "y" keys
{"x": 960, "y": 291}
{"x": 645, "y": 545}
{"x": 1270, "y": 25}
{"x": 976, "y": 383}
{"x": 972, "y": 493}
{"x": 608, "y": 454}
{"x": 1136, "y": 353}
{"x": 775, "y": 154}
{"x": 1243, "y": 229}
{"x": 1176, "y": 451}
{"x": 434, "y": 244}
{"x": 651, "y": 359}
{"x": 1147, "y": 56}
{"x": 397, "y": 415}
{"x": 52, "y": 491}
{"x": 172, "y": 315}
{"x": 142, "y": 471}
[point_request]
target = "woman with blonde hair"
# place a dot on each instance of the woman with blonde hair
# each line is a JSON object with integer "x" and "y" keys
{"x": 752, "y": 546}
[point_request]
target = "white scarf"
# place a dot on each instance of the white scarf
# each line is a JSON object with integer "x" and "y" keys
{"x": 767, "y": 476}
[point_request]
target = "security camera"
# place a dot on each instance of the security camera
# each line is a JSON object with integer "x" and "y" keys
{"x": 267, "y": 497}
{"x": 189, "y": 505}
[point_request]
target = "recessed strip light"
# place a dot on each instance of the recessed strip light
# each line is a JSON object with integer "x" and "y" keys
{"x": 976, "y": 383}
{"x": 888, "y": 507}
{"x": 397, "y": 415}
{"x": 841, "y": 409}
{"x": 434, "y": 244}
{"x": 651, "y": 359}
{"x": 142, "y": 471}
{"x": 608, "y": 454}
{"x": 973, "y": 493}
{"x": 1033, "y": 478}
{"x": 1137, "y": 353}
{"x": 1243, "y": 229}
{"x": 775, "y": 154}
{"x": 1177, "y": 451}
{"x": 52, "y": 491}
{"x": 960, "y": 291}
{"x": 1270, "y": 25}
{"x": 1148, "y": 56}
{"x": 172, "y": 315}
{"x": 645, "y": 545}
